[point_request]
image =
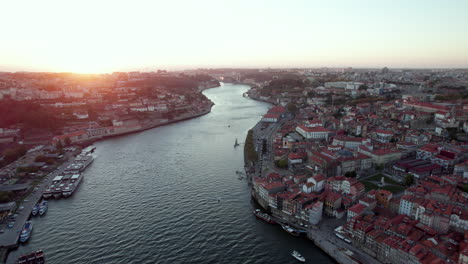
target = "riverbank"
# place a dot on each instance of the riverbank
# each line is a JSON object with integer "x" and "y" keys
{"x": 145, "y": 125}
{"x": 260, "y": 99}
{"x": 159, "y": 123}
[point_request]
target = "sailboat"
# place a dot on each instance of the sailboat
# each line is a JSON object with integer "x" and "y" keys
{"x": 236, "y": 143}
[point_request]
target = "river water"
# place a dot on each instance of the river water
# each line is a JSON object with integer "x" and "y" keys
{"x": 169, "y": 195}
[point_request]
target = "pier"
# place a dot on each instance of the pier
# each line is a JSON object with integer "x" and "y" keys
{"x": 9, "y": 239}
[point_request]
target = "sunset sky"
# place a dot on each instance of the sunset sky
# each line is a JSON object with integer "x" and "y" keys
{"x": 105, "y": 36}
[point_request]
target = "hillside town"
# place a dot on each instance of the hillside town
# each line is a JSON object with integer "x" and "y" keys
{"x": 376, "y": 159}
{"x": 40, "y": 108}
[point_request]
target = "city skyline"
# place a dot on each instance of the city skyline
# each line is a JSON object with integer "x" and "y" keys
{"x": 101, "y": 37}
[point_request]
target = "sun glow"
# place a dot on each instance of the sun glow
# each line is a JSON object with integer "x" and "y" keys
{"x": 101, "y": 36}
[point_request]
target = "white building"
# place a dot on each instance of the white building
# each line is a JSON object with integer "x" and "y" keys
{"x": 315, "y": 215}
{"x": 318, "y": 182}
{"x": 272, "y": 118}
{"x": 406, "y": 206}
{"x": 313, "y": 132}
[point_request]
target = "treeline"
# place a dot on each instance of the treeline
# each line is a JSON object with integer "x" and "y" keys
{"x": 181, "y": 83}
{"x": 29, "y": 114}
{"x": 259, "y": 76}
{"x": 12, "y": 154}
{"x": 449, "y": 97}
{"x": 285, "y": 84}
{"x": 249, "y": 148}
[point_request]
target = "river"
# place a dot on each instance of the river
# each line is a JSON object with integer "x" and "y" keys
{"x": 169, "y": 195}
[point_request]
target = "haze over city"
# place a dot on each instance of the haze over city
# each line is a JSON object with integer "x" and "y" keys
{"x": 106, "y": 36}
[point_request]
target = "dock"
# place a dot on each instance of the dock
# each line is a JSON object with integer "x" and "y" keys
{"x": 9, "y": 239}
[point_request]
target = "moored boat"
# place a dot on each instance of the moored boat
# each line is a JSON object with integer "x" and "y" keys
{"x": 36, "y": 257}
{"x": 67, "y": 191}
{"x": 75, "y": 180}
{"x": 298, "y": 256}
{"x": 26, "y": 232}
{"x": 47, "y": 193}
{"x": 43, "y": 207}
{"x": 57, "y": 192}
{"x": 35, "y": 210}
{"x": 81, "y": 162}
{"x": 290, "y": 230}
{"x": 40, "y": 257}
{"x": 264, "y": 216}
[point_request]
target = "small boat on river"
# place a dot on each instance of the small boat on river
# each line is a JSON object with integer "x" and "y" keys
{"x": 264, "y": 216}
{"x": 298, "y": 256}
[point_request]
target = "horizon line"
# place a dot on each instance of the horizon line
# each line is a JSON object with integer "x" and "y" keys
{"x": 181, "y": 68}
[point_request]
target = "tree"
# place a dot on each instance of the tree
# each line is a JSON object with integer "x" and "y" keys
{"x": 40, "y": 158}
{"x": 13, "y": 154}
{"x": 292, "y": 108}
{"x": 465, "y": 188}
{"x": 59, "y": 146}
{"x": 363, "y": 87}
{"x": 67, "y": 141}
{"x": 5, "y": 197}
{"x": 409, "y": 179}
{"x": 282, "y": 163}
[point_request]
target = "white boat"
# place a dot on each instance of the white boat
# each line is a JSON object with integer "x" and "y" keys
{"x": 47, "y": 193}
{"x": 298, "y": 256}
{"x": 26, "y": 232}
{"x": 35, "y": 210}
{"x": 83, "y": 161}
{"x": 43, "y": 207}
{"x": 67, "y": 191}
{"x": 57, "y": 192}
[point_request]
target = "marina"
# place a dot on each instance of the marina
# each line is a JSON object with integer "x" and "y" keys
{"x": 66, "y": 178}
{"x": 64, "y": 185}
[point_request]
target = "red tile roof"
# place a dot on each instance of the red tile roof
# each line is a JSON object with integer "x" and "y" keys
{"x": 357, "y": 208}
{"x": 381, "y": 131}
{"x": 277, "y": 110}
{"x": 314, "y": 129}
{"x": 269, "y": 115}
{"x": 70, "y": 135}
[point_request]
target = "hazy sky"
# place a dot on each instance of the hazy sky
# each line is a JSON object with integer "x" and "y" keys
{"x": 103, "y": 36}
